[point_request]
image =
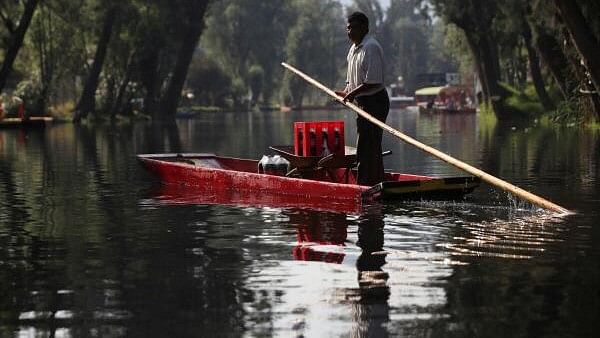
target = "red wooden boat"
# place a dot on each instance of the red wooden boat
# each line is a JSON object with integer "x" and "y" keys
{"x": 314, "y": 182}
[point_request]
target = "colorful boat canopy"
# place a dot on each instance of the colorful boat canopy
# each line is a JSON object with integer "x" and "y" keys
{"x": 428, "y": 91}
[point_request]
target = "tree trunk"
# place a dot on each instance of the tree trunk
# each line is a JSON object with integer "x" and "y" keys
{"x": 555, "y": 59}
{"x": 486, "y": 52}
{"x": 188, "y": 45}
{"x": 489, "y": 58}
{"x": 17, "y": 41}
{"x": 595, "y": 102}
{"x": 534, "y": 68}
{"x": 87, "y": 102}
{"x": 149, "y": 78}
{"x": 118, "y": 104}
{"x": 583, "y": 85}
{"x": 492, "y": 47}
{"x": 486, "y": 60}
{"x": 583, "y": 38}
{"x": 485, "y": 90}
{"x": 47, "y": 66}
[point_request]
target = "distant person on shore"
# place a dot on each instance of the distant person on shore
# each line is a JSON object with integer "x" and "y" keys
{"x": 365, "y": 86}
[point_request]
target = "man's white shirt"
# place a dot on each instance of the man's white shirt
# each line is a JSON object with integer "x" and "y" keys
{"x": 365, "y": 65}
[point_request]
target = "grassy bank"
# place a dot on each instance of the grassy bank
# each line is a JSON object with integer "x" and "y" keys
{"x": 525, "y": 105}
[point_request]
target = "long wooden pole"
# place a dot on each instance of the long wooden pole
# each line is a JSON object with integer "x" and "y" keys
{"x": 526, "y": 195}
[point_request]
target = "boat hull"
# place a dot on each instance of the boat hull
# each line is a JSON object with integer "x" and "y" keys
{"x": 206, "y": 178}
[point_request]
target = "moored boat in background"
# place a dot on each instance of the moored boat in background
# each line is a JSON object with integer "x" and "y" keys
{"x": 401, "y": 101}
{"x": 444, "y": 99}
{"x": 31, "y": 122}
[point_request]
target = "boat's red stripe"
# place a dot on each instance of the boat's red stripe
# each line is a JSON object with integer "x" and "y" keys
{"x": 220, "y": 179}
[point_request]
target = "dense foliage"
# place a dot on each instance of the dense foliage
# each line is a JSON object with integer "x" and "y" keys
{"x": 91, "y": 58}
{"x": 550, "y": 44}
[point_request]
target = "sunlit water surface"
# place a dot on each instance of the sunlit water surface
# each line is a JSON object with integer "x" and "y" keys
{"x": 87, "y": 248}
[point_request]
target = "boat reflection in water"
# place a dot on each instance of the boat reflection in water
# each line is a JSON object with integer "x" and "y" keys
{"x": 322, "y": 236}
{"x": 205, "y": 194}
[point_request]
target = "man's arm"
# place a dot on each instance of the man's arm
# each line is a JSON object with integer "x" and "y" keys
{"x": 364, "y": 87}
{"x": 342, "y": 92}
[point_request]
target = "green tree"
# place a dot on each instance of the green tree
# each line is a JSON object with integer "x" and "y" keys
{"x": 210, "y": 84}
{"x": 243, "y": 33}
{"x": 406, "y": 41}
{"x": 476, "y": 19}
{"x": 189, "y": 33}
{"x": 441, "y": 56}
{"x": 87, "y": 102}
{"x": 510, "y": 39}
{"x": 311, "y": 47}
{"x": 585, "y": 41}
{"x": 515, "y": 38}
{"x": 562, "y": 60}
{"x": 16, "y": 36}
{"x": 52, "y": 55}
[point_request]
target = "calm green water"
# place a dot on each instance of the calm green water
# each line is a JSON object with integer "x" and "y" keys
{"x": 87, "y": 248}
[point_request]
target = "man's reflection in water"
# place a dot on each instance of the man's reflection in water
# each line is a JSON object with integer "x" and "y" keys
{"x": 369, "y": 301}
{"x": 371, "y": 309}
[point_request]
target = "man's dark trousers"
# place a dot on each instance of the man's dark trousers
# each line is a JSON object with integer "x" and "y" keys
{"x": 368, "y": 144}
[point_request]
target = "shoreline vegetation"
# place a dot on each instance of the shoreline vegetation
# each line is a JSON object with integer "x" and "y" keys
{"x": 523, "y": 106}
{"x": 99, "y": 61}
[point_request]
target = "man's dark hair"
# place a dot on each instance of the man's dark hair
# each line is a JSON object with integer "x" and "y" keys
{"x": 360, "y": 18}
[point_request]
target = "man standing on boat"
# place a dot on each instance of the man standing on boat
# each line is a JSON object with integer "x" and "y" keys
{"x": 365, "y": 86}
